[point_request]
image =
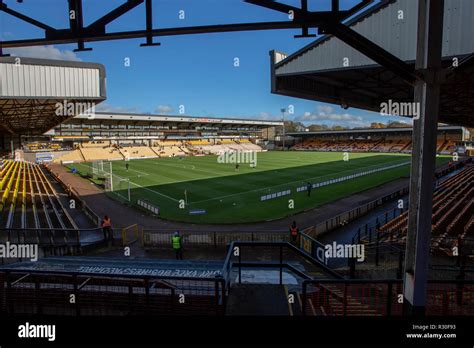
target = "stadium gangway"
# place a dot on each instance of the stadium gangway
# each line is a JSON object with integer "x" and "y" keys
{"x": 69, "y": 222}
{"x": 51, "y": 196}
{"x": 230, "y": 265}
{"x": 33, "y": 198}
{"x": 40, "y": 195}
{"x": 23, "y": 197}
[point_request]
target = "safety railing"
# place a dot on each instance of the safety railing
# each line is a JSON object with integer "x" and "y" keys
{"x": 371, "y": 297}
{"x": 74, "y": 195}
{"x": 353, "y": 214}
{"x": 54, "y": 241}
{"x": 49, "y": 293}
{"x": 212, "y": 238}
{"x": 258, "y": 255}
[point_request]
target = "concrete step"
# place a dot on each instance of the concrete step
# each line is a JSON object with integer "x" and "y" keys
{"x": 257, "y": 299}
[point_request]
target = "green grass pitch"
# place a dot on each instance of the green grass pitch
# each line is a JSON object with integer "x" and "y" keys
{"x": 229, "y": 195}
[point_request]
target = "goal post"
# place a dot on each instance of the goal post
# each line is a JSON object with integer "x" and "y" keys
{"x": 100, "y": 170}
{"x": 119, "y": 186}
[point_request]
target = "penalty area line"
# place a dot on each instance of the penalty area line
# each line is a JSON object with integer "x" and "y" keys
{"x": 153, "y": 191}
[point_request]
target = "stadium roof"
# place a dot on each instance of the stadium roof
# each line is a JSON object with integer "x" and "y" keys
{"x": 30, "y": 90}
{"x": 329, "y": 70}
{"x": 371, "y": 130}
{"x": 177, "y": 119}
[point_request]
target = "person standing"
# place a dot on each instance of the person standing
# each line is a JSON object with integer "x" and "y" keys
{"x": 294, "y": 232}
{"x": 177, "y": 245}
{"x": 107, "y": 228}
{"x": 309, "y": 186}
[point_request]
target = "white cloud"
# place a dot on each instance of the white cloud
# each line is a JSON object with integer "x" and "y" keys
{"x": 327, "y": 113}
{"x": 44, "y": 52}
{"x": 326, "y": 109}
{"x": 163, "y": 109}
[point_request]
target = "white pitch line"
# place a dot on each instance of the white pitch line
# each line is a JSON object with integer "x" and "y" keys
{"x": 286, "y": 183}
{"x": 133, "y": 183}
{"x": 194, "y": 168}
{"x": 137, "y": 171}
{"x": 153, "y": 191}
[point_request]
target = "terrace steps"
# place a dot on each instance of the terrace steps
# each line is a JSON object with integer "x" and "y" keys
{"x": 257, "y": 299}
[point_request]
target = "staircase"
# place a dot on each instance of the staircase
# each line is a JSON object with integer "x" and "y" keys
{"x": 82, "y": 153}
{"x": 257, "y": 299}
{"x": 155, "y": 152}
{"x": 406, "y": 146}
{"x": 332, "y": 303}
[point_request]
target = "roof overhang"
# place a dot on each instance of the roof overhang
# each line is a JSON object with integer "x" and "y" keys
{"x": 38, "y": 94}
{"x": 104, "y": 117}
{"x": 375, "y": 131}
{"x": 319, "y": 71}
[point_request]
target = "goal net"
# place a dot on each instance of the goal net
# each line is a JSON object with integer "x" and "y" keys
{"x": 98, "y": 169}
{"x": 117, "y": 185}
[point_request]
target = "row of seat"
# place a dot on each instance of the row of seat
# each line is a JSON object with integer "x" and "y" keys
{"x": 137, "y": 152}
{"x": 390, "y": 145}
{"x": 170, "y": 151}
{"x": 104, "y": 151}
{"x": 453, "y": 208}
{"x": 28, "y": 199}
{"x": 219, "y": 149}
{"x": 99, "y": 153}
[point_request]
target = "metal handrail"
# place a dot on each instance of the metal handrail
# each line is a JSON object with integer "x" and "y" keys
{"x": 228, "y": 264}
{"x": 388, "y": 282}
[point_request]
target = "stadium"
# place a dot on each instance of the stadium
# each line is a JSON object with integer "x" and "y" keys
{"x": 158, "y": 214}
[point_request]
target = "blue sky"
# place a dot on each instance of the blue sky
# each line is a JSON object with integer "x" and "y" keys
{"x": 196, "y": 71}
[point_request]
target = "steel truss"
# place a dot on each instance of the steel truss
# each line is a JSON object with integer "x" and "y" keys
{"x": 327, "y": 22}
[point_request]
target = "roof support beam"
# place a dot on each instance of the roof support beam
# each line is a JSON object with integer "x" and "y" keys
{"x": 76, "y": 33}
{"x": 371, "y": 50}
{"x": 76, "y": 22}
{"x": 149, "y": 24}
{"x": 25, "y": 18}
{"x": 66, "y": 37}
{"x": 427, "y": 97}
{"x": 99, "y": 25}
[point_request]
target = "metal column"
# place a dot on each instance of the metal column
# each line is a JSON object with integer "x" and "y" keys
{"x": 427, "y": 90}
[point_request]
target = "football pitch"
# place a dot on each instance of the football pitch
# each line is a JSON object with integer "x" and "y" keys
{"x": 202, "y": 190}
